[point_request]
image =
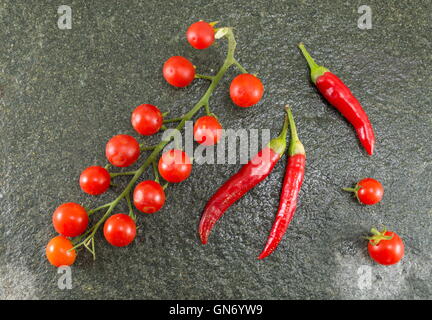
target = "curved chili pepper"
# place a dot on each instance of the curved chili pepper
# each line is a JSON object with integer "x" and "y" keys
{"x": 251, "y": 174}
{"x": 340, "y": 96}
{"x": 291, "y": 186}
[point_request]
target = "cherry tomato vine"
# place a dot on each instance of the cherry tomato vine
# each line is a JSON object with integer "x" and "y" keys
{"x": 124, "y": 150}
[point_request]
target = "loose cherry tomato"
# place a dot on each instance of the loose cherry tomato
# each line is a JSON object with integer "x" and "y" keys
{"x": 175, "y": 166}
{"x": 95, "y": 180}
{"x": 207, "y": 131}
{"x": 147, "y": 119}
{"x": 178, "y": 71}
{"x": 70, "y": 219}
{"x": 149, "y": 196}
{"x": 58, "y": 252}
{"x": 119, "y": 230}
{"x": 200, "y": 35}
{"x": 122, "y": 150}
{"x": 246, "y": 90}
{"x": 385, "y": 247}
{"x": 368, "y": 191}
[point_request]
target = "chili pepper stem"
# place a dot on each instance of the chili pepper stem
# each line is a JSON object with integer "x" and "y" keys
{"x": 315, "y": 69}
{"x": 296, "y": 147}
{"x": 278, "y": 144}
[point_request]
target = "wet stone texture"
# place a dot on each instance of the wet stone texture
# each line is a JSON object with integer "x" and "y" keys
{"x": 64, "y": 93}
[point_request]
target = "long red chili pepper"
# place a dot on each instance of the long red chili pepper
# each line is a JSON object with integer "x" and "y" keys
{"x": 251, "y": 174}
{"x": 340, "y": 96}
{"x": 291, "y": 186}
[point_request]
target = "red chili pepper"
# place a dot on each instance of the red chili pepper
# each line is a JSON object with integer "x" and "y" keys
{"x": 251, "y": 174}
{"x": 291, "y": 186}
{"x": 340, "y": 96}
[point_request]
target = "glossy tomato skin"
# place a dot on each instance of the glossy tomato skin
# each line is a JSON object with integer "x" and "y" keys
{"x": 178, "y": 71}
{"x": 149, "y": 196}
{"x": 387, "y": 252}
{"x": 70, "y": 219}
{"x": 95, "y": 180}
{"x": 57, "y": 251}
{"x": 119, "y": 230}
{"x": 175, "y": 166}
{"x": 122, "y": 150}
{"x": 200, "y": 35}
{"x": 147, "y": 119}
{"x": 370, "y": 191}
{"x": 207, "y": 131}
{"x": 246, "y": 90}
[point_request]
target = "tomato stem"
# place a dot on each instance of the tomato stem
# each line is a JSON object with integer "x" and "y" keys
{"x": 378, "y": 236}
{"x": 155, "y": 171}
{"x": 88, "y": 237}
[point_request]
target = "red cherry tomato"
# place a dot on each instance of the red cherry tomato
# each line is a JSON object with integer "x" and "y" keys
{"x": 200, "y": 35}
{"x": 70, "y": 219}
{"x": 386, "y": 251}
{"x": 175, "y": 166}
{"x": 368, "y": 191}
{"x": 122, "y": 150}
{"x": 246, "y": 90}
{"x": 178, "y": 71}
{"x": 95, "y": 180}
{"x": 57, "y": 252}
{"x": 147, "y": 119}
{"x": 119, "y": 230}
{"x": 149, "y": 196}
{"x": 207, "y": 131}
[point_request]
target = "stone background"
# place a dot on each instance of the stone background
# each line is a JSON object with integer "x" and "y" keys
{"x": 64, "y": 93}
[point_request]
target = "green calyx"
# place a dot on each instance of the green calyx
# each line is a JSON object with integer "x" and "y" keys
{"x": 296, "y": 147}
{"x": 315, "y": 69}
{"x": 378, "y": 236}
{"x": 278, "y": 144}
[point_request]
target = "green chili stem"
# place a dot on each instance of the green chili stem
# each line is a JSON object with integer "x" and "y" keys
{"x": 296, "y": 147}
{"x": 315, "y": 70}
{"x": 201, "y": 76}
{"x": 278, "y": 144}
{"x": 116, "y": 174}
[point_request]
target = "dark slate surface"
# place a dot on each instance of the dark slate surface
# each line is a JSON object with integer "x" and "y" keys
{"x": 65, "y": 93}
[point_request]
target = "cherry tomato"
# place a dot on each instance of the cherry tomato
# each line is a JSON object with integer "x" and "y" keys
{"x": 119, "y": 230}
{"x": 149, "y": 196}
{"x": 178, "y": 71}
{"x": 368, "y": 191}
{"x": 122, "y": 150}
{"x": 57, "y": 251}
{"x": 386, "y": 251}
{"x": 200, "y": 35}
{"x": 147, "y": 119}
{"x": 70, "y": 219}
{"x": 175, "y": 166}
{"x": 246, "y": 90}
{"x": 207, "y": 131}
{"x": 95, "y": 180}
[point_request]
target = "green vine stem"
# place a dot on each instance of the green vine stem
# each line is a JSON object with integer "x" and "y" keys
{"x": 87, "y": 239}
